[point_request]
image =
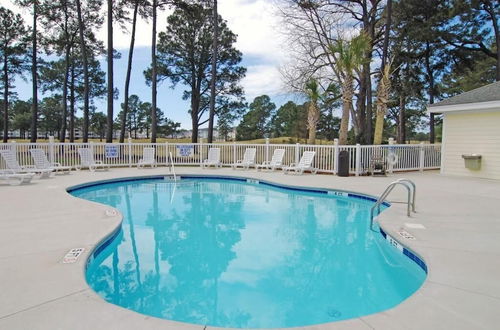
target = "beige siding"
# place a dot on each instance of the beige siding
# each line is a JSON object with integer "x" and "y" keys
{"x": 468, "y": 133}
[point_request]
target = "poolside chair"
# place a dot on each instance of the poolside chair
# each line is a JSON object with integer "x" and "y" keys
{"x": 247, "y": 161}
{"x": 42, "y": 163}
{"x": 148, "y": 158}
{"x": 213, "y": 158}
{"x": 16, "y": 178}
{"x": 87, "y": 160}
{"x": 304, "y": 164}
{"x": 275, "y": 162}
{"x": 13, "y": 165}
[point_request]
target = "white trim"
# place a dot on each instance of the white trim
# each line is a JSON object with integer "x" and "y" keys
{"x": 443, "y": 144}
{"x": 470, "y": 107}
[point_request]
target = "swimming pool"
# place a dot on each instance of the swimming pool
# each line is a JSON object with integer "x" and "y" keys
{"x": 237, "y": 253}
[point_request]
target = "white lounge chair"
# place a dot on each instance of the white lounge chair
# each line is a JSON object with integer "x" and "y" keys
{"x": 42, "y": 163}
{"x": 16, "y": 178}
{"x": 247, "y": 161}
{"x": 304, "y": 164}
{"x": 275, "y": 162}
{"x": 213, "y": 158}
{"x": 12, "y": 164}
{"x": 87, "y": 160}
{"x": 148, "y": 158}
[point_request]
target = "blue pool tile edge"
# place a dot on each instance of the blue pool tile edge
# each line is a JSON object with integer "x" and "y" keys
{"x": 407, "y": 252}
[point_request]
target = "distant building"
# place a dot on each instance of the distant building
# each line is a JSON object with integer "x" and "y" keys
{"x": 203, "y": 134}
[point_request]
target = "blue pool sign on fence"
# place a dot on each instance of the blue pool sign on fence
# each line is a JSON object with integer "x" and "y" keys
{"x": 185, "y": 151}
{"x": 111, "y": 151}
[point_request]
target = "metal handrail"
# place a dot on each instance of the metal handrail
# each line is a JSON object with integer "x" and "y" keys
{"x": 410, "y": 187}
{"x": 414, "y": 192}
{"x": 172, "y": 168}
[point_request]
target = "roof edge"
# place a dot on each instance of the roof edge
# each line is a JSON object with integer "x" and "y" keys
{"x": 482, "y": 106}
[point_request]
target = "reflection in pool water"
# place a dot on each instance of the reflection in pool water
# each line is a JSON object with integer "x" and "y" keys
{"x": 233, "y": 254}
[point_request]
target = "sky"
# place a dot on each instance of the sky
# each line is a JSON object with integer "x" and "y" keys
{"x": 254, "y": 21}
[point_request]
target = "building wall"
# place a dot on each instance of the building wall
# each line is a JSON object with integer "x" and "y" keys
{"x": 471, "y": 133}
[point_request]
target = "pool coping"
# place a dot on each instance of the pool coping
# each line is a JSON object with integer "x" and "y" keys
{"x": 428, "y": 299}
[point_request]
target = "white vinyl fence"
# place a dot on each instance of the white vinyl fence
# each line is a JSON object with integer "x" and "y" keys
{"x": 415, "y": 157}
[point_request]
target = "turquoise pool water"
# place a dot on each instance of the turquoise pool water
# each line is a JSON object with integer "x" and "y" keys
{"x": 237, "y": 254}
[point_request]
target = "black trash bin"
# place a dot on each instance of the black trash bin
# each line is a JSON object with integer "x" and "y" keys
{"x": 343, "y": 169}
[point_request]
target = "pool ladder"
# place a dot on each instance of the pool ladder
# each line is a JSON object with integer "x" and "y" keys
{"x": 412, "y": 191}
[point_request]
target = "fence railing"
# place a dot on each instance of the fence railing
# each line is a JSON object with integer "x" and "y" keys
{"x": 414, "y": 157}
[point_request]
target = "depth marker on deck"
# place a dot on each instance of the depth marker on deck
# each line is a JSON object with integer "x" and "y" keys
{"x": 403, "y": 233}
{"x": 72, "y": 255}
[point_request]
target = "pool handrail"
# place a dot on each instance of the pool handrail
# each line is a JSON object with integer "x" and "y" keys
{"x": 410, "y": 187}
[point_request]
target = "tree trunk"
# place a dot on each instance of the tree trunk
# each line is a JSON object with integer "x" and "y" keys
{"x": 386, "y": 34}
{"x": 109, "y": 122}
{"x": 383, "y": 90}
{"x": 430, "y": 77}
{"x": 312, "y": 122}
{"x": 72, "y": 105}
{"x": 129, "y": 71}
{"x": 347, "y": 92}
{"x": 62, "y": 135}
{"x": 369, "y": 103}
{"x": 384, "y": 85}
{"x": 489, "y": 7}
{"x": 402, "y": 120}
{"x": 5, "y": 98}
{"x": 194, "y": 135}
{"x": 34, "y": 73}
{"x": 81, "y": 27}
{"x": 194, "y": 113}
{"x": 361, "y": 101}
{"x": 214, "y": 76}
{"x": 153, "y": 75}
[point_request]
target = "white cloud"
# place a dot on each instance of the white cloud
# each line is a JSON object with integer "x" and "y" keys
{"x": 254, "y": 22}
{"x": 262, "y": 79}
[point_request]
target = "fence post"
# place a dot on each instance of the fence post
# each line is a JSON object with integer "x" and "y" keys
{"x": 13, "y": 148}
{"x": 267, "y": 150}
{"x": 422, "y": 157}
{"x": 391, "y": 150}
{"x": 297, "y": 153}
{"x": 335, "y": 156}
{"x": 200, "y": 152}
{"x": 166, "y": 154}
{"x": 358, "y": 159}
{"x": 129, "y": 151}
{"x": 234, "y": 153}
{"x": 51, "y": 150}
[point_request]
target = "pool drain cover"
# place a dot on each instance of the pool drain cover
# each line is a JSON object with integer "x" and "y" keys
{"x": 332, "y": 312}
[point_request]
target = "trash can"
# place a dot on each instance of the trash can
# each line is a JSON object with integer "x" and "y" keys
{"x": 343, "y": 169}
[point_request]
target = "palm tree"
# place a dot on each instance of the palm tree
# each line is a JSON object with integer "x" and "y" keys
{"x": 313, "y": 93}
{"x": 384, "y": 85}
{"x": 351, "y": 55}
{"x": 383, "y": 89}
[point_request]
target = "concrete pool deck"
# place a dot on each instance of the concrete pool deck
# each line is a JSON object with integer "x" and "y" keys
{"x": 41, "y": 222}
